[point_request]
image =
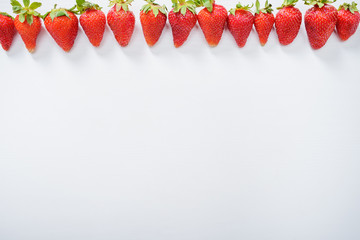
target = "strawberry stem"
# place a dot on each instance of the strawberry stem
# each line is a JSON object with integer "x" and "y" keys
{"x": 288, "y": 3}
{"x": 266, "y": 9}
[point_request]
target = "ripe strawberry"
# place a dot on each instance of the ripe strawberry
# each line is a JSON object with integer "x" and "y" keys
{"x": 182, "y": 20}
{"x": 320, "y": 22}
{"x": 264, "y": 21}
{"x": 240, "y": 23}
{"x": 348, "y": 20}
{"x": 63, "y": 26}
{"x": 92, "y": 20}
{"x": 7, "y": 30}
{"x": 121, "y": 21}
{"x": 212, "y": 20}
{"x": 288, "y": 22}
{"x": 153, "y": 19}
{"x": 27, "y": 22}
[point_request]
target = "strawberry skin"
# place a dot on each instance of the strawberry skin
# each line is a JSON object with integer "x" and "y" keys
{"x": 93, "y": 22}
{"x": 320, "y": 24}
{"x": 181, "y": 26}
{"x": 122, "y": 23}
{"x": 264, "y": 21}
{"x": 287, "y": 23}
{"x": 63, "y": 29}
{"x": 152, "y": 26}
{"x": 28, "y": 33}
{"x": 263, "y": 25}
{"x": 7, "y": 31}
{"x": 213, "y": 23}
{"x": 240, "y": 24}
{"x": 347, "y": 23}
{"x": 27, "y": 22}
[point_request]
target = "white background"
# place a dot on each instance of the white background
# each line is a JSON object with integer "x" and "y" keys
{"x": 195, "y": 143}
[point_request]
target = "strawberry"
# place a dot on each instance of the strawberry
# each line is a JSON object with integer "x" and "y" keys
{"x": 63, "y": 25}
{"x": 182, "y": 20}
{"x": 212, "y": 20}
{"x": 348, "y": 20}
{"x": 153, "y": 19}
{"x": 240, "y": 23}
{"x": 27, "y": 22}
{"x": 92, "y": 20}
{"x": 288, "y": 22}
{"x": 320, "y": 22}
{"x": 7, "y": 30}
{"x": 264, "y": 21}
{"x": 121, "y": 21}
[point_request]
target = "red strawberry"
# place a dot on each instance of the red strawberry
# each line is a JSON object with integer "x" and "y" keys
{"x": 348, "y": 20}
{"x": 240, "y": 23}
{"x": 92, "y": 20}
{"x": 63, "y": 25}
{"x": 212, "y": 20}
{"x": 288, "y": 22}
{"x": 264, "y": 21}
{"x": 27, "y": 22}
{"x": 320, "y": 22}
{"x": 182, "y": 20}
{"x": 7, "y": 30}
{"x": 121, "y": 21}
{"x": 153, "y": 19}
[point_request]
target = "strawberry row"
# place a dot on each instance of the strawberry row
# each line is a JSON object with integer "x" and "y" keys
{"x": 62, "y": 24}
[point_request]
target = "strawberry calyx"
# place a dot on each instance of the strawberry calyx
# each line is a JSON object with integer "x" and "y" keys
{"x": 121, "y": 4}
{"x": 26, "y": 12}
{"x": 319, "y": 3}
{"x": 349, "y": 7}
{"x": 154, "y": 7}
{"x": 266, "y": 9}
{"x": 208, "y": 4}
{"x": 288, "y": 3}
{"x": 82, "y": 6}
{"x": 6, "y": 15}
{"x": 182, "y": 5}
{"x": 59, "y": 12}
{"x": 240, "y": 7}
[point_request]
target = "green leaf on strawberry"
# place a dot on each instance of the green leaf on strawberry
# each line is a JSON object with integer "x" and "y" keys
{"x": 156, "y": 8}
{"x": 121, "y": 4}
{"x": 288, "y": 3}
{"x": 26, "y": 3}
{"x": 266, "y": 9}
{"x": 239, "y": 6}
{"x": 26, "y": 12}
{"x": 182, "y": 6}
{"x": 319, "y": 3}
{"x": 350, "y": 7}
{"x": 6, "y": 14}
{"x": 82, "y": 6}
{"x": 59, "y": 12}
